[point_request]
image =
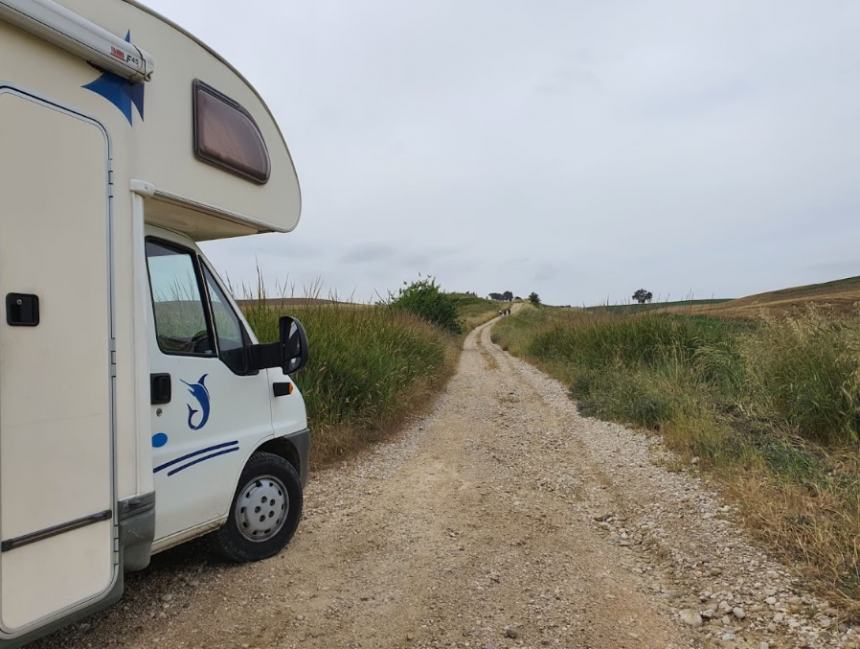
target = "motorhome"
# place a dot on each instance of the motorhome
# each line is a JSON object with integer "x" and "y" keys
{"x": 137, "y": 408}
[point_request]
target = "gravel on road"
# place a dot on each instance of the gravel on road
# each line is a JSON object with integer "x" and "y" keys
{"x": 501, "y": 519}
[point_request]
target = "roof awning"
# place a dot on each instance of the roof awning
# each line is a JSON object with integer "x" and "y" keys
{"x": 64, "y": 28}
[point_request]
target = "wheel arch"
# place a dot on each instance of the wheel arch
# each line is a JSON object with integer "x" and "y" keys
{"x": 285, "y": 448}
{"x": 294, "y": 448}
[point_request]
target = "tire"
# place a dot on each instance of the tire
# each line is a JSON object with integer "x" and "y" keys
{"x": 265, "y": 511}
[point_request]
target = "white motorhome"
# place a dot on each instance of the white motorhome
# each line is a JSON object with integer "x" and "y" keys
{"x": 137, "y": 409}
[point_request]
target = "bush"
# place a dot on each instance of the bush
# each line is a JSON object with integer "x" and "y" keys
{"x": 425, "y": 299}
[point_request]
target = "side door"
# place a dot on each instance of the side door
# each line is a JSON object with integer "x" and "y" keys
{"x": 217, "y": 412}
{"x": 57, "y": 499}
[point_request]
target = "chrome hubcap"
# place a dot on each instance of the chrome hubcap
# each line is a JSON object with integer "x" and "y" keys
{"x": 261, "y": 508}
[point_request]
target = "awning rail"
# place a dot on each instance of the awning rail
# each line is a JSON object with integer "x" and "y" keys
{"x": 64, "y": 28}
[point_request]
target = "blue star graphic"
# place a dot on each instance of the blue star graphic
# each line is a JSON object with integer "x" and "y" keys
{"x": 122, "y": 93}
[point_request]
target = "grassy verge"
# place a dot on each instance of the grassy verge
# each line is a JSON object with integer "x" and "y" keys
{"x": 770, "y": 407}
{"x": 371, "y": 368}
{"x": 473, "y": 311}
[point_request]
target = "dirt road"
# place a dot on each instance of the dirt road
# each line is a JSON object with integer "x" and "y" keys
{"x": 502, "y": 519}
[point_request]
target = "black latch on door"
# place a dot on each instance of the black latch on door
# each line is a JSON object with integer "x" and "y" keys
{"x": 22, "y": 309}
{"x": 159, "y": 388}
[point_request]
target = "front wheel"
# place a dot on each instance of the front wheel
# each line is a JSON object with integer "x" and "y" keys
{"x": 265, "y": 511}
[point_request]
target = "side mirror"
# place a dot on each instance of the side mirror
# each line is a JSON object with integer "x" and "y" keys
{"x": 294, "y": 344}
{"x": 290, "y": 353}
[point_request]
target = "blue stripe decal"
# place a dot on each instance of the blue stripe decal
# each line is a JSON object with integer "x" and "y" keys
{"x": 193, "y": 453}
{"x": 201, "y": 459}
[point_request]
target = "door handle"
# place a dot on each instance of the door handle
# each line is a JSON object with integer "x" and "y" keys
{"x": 159, "y": 388}
{"x": 22, "y": 309}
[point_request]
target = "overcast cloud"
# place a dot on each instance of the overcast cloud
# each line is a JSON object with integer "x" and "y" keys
{"x": 578, "y": 149}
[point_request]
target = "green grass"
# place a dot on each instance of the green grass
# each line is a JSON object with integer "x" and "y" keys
{"x": 370, "y": 368}
{"x": 473, "y": 310}
{"x": 771, "y": 407}
{"x": 804, "y": 374}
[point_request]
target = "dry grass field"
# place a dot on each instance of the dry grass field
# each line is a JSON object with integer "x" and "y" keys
{"x": 838, "y": 297}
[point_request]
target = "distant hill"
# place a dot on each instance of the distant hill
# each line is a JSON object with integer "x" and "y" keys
{"x": 838, "y": 296}
{"x": 295, "y": 301}
{"x": 652, "y": 306}
{"x": 841, "y": 296}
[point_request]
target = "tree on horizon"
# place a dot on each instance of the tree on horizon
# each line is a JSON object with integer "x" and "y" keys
{"x": 642, "y": 296}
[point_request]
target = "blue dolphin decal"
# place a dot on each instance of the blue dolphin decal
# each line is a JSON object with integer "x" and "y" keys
{"x": 201, "y": 393}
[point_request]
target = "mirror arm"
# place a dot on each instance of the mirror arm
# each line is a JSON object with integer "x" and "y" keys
{"x": 290, "y": 353}
{"x": 265, "y": 355}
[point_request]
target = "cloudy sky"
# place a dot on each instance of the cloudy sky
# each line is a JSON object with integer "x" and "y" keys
{"x": 578, "y": 149}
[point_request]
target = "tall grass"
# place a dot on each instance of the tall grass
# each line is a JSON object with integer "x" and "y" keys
{"x": 370, "y": 368}
{"x": 473, "y": 310}
{"x": 805, "y": 374}
{"x": 773, "y": 407}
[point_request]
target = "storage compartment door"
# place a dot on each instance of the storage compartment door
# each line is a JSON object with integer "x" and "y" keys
{"x": 56, "y": 451}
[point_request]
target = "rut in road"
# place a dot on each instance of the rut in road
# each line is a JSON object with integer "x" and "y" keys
{"x": 502, "y": 519}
